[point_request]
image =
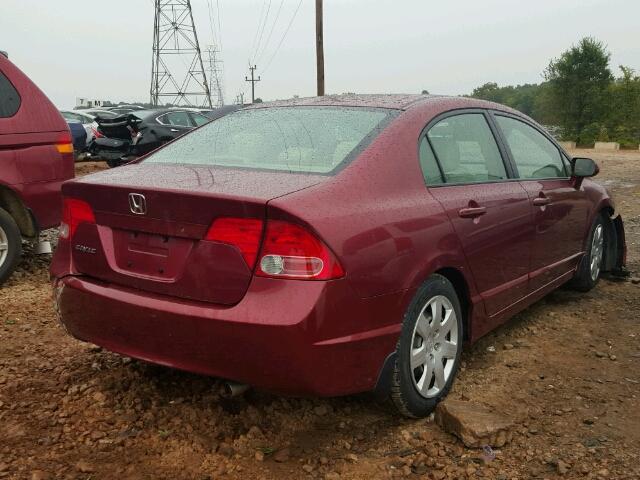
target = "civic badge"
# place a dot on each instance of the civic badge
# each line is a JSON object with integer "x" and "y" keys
{"x": 137, "y": 204}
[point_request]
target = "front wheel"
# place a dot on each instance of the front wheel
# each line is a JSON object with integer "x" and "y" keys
{"x": 10, "y": 245}
{"x": 428, "y": 352}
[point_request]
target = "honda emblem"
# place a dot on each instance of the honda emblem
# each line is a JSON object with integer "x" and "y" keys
{"x": 137, "y": 204}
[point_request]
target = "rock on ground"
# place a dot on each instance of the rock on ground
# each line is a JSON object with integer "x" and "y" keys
{"x": 474, "y": 424}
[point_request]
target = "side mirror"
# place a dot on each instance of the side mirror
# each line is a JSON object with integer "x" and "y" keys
{"x": 584, "y": 167}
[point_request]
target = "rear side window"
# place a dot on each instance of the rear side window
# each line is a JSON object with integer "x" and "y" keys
{"x": 199, "y": 120}
{"x": 533, "y": 153}
{"x": 9, "y": 98}
{"x": 295, "y": 139}
{"x": 429, "y": 164}
{"x": 465, "y": 150}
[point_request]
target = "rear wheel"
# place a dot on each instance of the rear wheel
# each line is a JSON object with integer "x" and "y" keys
{"x": 428, "y": 352}
{"x": 10, "y": 245}
{"x": 588, "y": 272}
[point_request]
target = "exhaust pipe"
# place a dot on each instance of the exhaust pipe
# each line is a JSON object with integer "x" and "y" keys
{"x": 233, "y": 389}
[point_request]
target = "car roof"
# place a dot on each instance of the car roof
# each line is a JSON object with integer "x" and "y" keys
{"x": 390, "y": 101}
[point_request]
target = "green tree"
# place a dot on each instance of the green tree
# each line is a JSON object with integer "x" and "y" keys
{"x": 624, "y": 112}
{"x": 579, "y": 85}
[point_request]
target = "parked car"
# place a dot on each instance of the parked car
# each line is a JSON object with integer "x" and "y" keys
{"x": 332, "y": 245}
{"x": 124, "y": 109}
{"x": 79, "y": 135}
{"x": 36, "y": 156}
{"x": 88, "y": 124}
{"x": 140, "y": 132}
{"x": 95, "y": 112}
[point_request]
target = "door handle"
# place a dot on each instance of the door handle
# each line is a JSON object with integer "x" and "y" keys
{"x": 541, "y": 201}
{"x": 174, "y": 130}
{"x": 472, "y": 212}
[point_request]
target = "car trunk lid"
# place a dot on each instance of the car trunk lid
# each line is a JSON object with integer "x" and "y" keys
{"x": 151, "y": 221}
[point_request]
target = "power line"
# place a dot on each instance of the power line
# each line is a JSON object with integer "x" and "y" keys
{"x": 273, "y": 26}
{"x": 264, "y": 24}
{"x": 283, "y": 37}
{"x": 255, "y": 37}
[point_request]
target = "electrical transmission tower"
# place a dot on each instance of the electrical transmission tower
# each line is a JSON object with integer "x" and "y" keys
{"x": 214, "y": 68}
{"x": 177, "y": 73}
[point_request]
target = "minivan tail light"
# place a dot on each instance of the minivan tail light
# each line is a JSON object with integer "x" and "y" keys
{"x": 74, "y": 212}
{"x": 290, "y": 251}
{"x": 242, "y": 233}
{"x": 65, "y": 143}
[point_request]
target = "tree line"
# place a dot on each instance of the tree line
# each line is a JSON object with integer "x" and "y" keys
{"x": 580, "y": 96}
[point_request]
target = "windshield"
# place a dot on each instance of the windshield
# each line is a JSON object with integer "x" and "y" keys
{"x": 294, "y": 139}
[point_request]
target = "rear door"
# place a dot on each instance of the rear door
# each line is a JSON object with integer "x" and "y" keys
{"x": 490, "y": 212}
{"x": 176, "y": 123}
{"x": 560, "y": 211}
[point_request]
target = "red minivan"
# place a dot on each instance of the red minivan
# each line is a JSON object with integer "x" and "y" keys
{"x": 36, "y": 156}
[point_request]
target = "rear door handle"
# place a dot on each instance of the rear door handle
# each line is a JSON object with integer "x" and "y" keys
{"x": 174, "y": 130}
{"x": 472, "y": 212}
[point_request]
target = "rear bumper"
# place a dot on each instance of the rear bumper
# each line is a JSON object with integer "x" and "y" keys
{"x": 44, "y": 199}
{"x": 292, "y": 337}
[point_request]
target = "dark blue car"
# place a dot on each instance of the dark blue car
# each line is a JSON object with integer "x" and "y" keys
{"x": 79, "y": 135}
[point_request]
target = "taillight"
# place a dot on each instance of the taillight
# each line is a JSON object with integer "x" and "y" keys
{"x": 290, "y": 251}
{"x": 96, "y": 133}
{"x": 74, "y": 212}
{"x": 64, "y": 144}
{"x": 242, "y": 233}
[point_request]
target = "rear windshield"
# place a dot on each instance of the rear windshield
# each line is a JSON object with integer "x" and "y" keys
{"x": 294, "y": 139}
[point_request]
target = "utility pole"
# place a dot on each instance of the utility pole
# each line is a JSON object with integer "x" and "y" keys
{"x": 253, "y": 83}
{"x": 177, "y": 71}
{"x": 240, "y": 98}
{"x": 319, "y": 48}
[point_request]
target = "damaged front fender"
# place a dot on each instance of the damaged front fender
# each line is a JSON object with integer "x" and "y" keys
{"x": 616, "y": 251}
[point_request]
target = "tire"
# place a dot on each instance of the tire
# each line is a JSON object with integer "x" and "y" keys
{"x": 588, "y": 272}
{"x": 416, "y": 391}
{"x": 10, "y": 245}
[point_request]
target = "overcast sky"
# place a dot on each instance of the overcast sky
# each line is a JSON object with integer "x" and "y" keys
{"x": 102, "y": 49}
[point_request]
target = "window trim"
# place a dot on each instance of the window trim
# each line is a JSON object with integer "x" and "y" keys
{"x": 499, "y": 113}
{"x": 511, "y": 174}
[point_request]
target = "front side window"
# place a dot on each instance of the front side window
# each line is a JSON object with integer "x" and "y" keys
{"x": 294, "y": 139}
{"x": 466, "y": 151}
{"x": 9, "y": 98}
{"x": 534, "y": 154}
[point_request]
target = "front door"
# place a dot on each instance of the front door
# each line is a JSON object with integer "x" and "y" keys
{"x": 560, "y": 211}
{"x": 489, "y": 212}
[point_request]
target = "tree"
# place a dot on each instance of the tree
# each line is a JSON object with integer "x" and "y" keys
{"x": 624, "y": 115}
{"x": 425, "y": 92}
{"x": 578, "y": 85}
{"x": 257, "y": 100}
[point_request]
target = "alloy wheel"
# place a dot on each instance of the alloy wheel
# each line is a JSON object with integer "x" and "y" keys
{"x": 434, "y": 346}
{"x": 597, "y": 247}
{"x": 4, "y": 246}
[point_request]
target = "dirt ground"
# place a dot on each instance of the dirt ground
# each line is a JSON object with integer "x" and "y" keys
{"x": 567, "y": 369}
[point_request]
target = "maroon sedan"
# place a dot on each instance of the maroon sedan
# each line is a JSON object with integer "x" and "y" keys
{"x": 331, "y": 245}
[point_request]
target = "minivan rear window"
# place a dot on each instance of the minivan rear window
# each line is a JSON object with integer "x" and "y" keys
{"x": 9, "y": 98}
{"x": 295, "y": 139}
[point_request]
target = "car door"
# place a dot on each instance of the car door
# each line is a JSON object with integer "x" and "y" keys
{"x": 466, "y": 172}
{"x": 560, "y": 211}
{"x": 199, "y": 119}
